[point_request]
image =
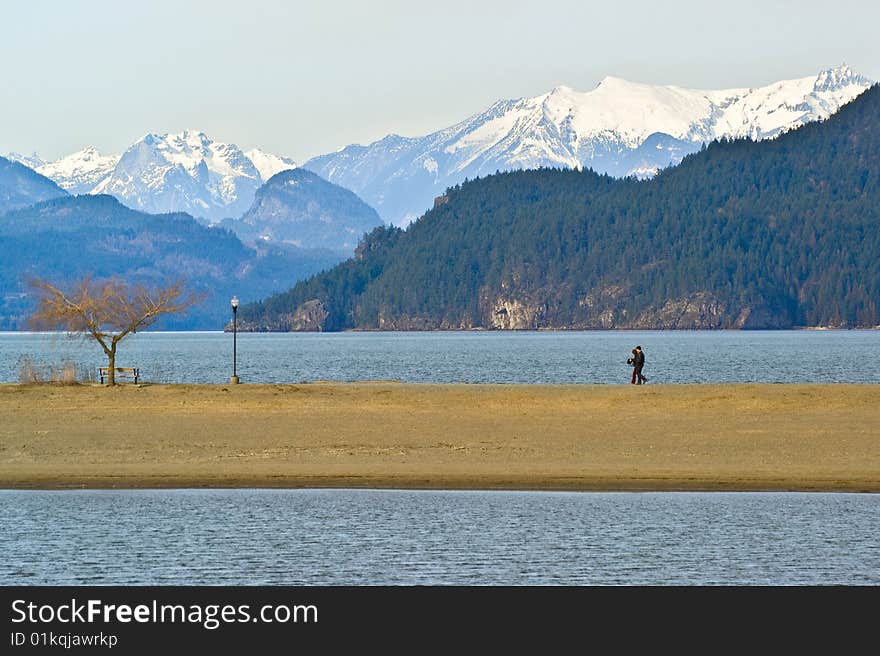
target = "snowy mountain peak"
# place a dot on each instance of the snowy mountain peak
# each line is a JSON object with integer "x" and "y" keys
{"x": 619, "y": 127}
{"x": 32, "y": 161}
{"x": 81, "y": 171}
{"x": 192, "y": 134}
{"x": 268, "y": 164}
{"x": 184, "y": 171}
{"x": 614, "y": 81}
{"x": 191, "y": 140}
{"x": 838, "y": 77}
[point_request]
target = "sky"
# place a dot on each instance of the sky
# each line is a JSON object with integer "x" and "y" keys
{"x": 305, "y": 78}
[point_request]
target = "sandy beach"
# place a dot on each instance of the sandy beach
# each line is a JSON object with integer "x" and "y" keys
{"x": 389, "y": 435}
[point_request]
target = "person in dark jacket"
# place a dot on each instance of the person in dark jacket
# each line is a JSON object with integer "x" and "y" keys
{"x": 638, "y": 365}
{"x": 638, "y": 362}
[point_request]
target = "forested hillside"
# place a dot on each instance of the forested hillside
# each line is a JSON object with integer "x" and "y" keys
{"x": 65, "y": 239}
{"x": 772, "y": 234}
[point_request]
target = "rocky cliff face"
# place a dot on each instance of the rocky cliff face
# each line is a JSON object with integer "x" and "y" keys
{"x": 407, "y": 322}
{"x": 761, "y": 318}
{"x": 308, "y": 317}
{"x": 600, "y": 310}
{"x": 698, "y": 311}
{"x": 704, "y": 311}
{"x": 604, "y": 309}
{"x": 507, "y": 313}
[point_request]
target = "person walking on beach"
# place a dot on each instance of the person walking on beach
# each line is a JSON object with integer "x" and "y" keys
{"x": 638, "y": 363}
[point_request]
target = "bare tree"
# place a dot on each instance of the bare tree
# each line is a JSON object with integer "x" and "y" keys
{"x": 106, "y": 311}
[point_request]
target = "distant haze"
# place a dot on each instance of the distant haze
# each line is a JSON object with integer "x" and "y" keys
{"x": 301, "y": 79}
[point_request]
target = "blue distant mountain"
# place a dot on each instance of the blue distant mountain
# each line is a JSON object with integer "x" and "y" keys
{"x": 300, "y": 208}
{"x": 21, "y": 186}
{"x": 69, "y": 237}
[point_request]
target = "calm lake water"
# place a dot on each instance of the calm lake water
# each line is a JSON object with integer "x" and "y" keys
{"x": 471, "y": 357}
{"x": 424, "y": 537}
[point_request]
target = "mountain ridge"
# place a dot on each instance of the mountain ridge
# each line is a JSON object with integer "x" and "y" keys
{"x": 173, "y": 172}
{"x": 69, "y": 237}
{"x": 21, "y": 186}
{"x": 743, "y": 234}
{"x": 603, "y": 129}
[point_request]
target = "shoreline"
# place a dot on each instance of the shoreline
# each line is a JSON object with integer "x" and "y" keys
{"x": 593, "y": 487}
{"x": 382, "y": 435}
{"x": 480, "y": 329}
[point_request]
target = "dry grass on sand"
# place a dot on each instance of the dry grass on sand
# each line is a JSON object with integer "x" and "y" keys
{"x": 675, "y": 437}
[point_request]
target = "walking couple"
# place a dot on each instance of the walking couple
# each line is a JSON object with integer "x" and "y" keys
{"x": 638, "y": 363}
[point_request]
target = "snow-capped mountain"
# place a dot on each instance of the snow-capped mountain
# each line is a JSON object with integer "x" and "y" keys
{"x": 80, "y": 172}
{"x": 620, "y": 127}
{"x": 31, "y": 161}
{"x": 183, "y": 172}
{"x": 186, "y": 172}
{"x": 268, "y": 164}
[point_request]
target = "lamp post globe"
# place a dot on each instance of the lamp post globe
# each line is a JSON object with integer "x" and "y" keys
{"x": 233, "y": 380}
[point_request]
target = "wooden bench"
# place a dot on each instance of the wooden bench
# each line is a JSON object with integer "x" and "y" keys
{"x": 127, "y": 373}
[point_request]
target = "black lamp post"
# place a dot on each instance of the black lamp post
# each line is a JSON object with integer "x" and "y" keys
{"x": 234, "y": 379}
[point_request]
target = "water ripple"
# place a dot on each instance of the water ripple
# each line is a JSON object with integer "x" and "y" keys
{"x": 473, "y": 357}
{"x": 342, "y": 537}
